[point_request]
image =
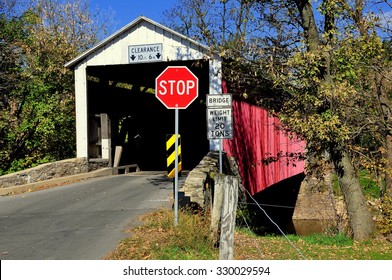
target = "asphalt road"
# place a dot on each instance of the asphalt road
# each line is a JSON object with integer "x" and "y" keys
{"x": 82, "y": 221}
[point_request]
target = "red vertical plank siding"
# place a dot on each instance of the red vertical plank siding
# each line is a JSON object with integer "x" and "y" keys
{"x": 256, "y": 137}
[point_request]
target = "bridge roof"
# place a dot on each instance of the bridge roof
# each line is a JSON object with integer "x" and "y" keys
{"x": 141, "y": 31}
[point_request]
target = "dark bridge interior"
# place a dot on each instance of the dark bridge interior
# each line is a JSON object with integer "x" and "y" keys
{"x": 278, "y": 201}
{"x": 139, "y": 122}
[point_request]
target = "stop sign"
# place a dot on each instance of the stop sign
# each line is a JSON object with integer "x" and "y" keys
{"x": 176, "y": 87}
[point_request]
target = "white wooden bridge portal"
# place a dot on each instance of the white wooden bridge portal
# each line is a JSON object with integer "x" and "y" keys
{"x": 115, "y": 95}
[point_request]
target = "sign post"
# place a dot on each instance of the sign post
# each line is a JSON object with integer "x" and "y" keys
{"x": 176, "y": 87}
{"x": 219, "y": 120}
{"x": 176, "y": 120}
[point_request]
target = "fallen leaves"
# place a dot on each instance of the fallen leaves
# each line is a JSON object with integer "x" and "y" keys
{"x": 157, "y": 238}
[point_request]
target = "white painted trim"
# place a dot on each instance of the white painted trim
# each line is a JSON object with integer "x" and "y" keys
{"x": 215, "y": 72}
{"x": 106, "y": 148}
{"x": 81, "y": 111}
{"x": 215, "y": 88}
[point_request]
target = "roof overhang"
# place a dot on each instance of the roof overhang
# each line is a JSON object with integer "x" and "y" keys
{"x": 73, "y": 63}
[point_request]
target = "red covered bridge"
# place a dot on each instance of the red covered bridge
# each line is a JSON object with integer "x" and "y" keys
{"x": 269, "y": 161}
{"x": 265, "y": 153}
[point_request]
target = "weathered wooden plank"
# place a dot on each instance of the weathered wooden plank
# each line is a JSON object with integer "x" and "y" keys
{"x": 217, "y": 207}
{"x": 106, "y": 140}
{"x": 117, "y": 156}
{"x": 228, "y": 217}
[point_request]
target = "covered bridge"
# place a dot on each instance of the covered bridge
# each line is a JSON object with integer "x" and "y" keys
{"x": 116, "y": 106}
{"x": 115, "y": 96}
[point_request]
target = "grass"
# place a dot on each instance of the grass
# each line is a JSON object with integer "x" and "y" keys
{"x": 368, "y": 183}
{"x": 321, "y": 239}
{"x": 157, "y": 239}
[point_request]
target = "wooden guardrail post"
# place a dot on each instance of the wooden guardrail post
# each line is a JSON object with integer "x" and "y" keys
{"x": 224, "y": 213}
{"x": 117, "y": 156}
{"x": 228, "y": 217}
{"x": 217, "y": 207}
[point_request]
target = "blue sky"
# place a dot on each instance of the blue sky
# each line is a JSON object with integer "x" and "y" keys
{"x": 126, "y": 11}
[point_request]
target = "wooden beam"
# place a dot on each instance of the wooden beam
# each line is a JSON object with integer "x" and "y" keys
{"x": 228, "y": 217}
{"x": 217, "y": 207}
{"x": 106, "y": 138}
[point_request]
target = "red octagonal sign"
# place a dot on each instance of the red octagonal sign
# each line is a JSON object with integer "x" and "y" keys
{"x": 176, "y": 87}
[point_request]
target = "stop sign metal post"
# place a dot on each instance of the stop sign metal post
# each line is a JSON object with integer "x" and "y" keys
{"x": 176, "y": 87}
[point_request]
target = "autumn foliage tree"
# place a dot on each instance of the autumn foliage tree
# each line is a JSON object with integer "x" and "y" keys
{"x": 322, "y": 67}
{"x": 37, "y": 118}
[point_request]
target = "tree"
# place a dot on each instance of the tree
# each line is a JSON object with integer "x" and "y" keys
{"x": 322, "y": 108}
{"x": 307, "y": 67}
{"x": 12, "y": 61}
{"x": 38, "y": 119}
{"x": 323, "y": 80}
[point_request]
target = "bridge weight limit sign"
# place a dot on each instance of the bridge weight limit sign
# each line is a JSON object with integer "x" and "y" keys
{"x": 219, "y": 116}
{"x": 176, "y": 87}
{"x": 219, "y": 119}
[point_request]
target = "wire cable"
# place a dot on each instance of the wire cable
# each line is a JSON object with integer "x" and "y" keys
{"x": 265, "y": 213}
{"x": 268, "y": 205}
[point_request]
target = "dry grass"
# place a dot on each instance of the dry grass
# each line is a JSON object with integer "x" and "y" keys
{"x": 314, "y": 247}
{"x": 158, "y": 239}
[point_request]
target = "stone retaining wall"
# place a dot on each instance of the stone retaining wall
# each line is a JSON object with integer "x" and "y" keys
{"x": 197, "y": 182}
{"x": 317, "y": 208}
{"x": 46, "y": 171}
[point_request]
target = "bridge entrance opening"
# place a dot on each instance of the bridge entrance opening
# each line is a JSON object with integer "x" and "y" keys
{"x": 123, "y": 109}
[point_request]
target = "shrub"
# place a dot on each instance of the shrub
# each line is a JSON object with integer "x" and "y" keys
{"x": 385, "y": 224}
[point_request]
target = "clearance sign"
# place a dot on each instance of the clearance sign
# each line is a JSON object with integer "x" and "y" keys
{"x": 145, "y": 53}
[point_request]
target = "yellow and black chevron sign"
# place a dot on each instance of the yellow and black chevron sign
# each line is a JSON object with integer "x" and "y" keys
{"x": 171, "y": 154}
